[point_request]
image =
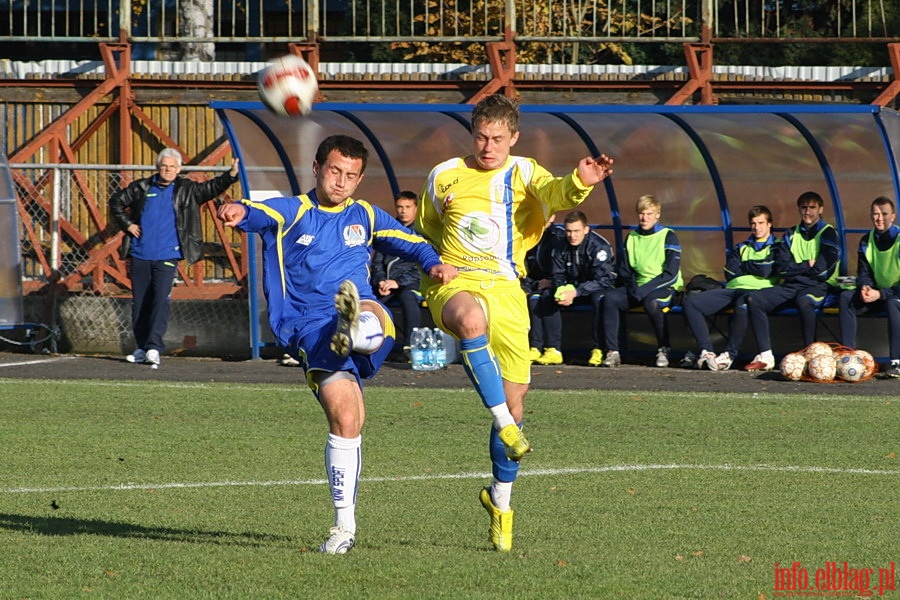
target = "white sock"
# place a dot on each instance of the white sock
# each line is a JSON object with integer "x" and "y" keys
{"x": 345, "y": 518}
{"x": 501, "y": 491}
{"x": 767, "y": 356}
{"x": 368, "y": 335}
{"x": 501, "y": 415}
{"x": 343, "y": 461}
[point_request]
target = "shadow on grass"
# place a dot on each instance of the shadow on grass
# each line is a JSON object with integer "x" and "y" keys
{"x": 60, "y": 526}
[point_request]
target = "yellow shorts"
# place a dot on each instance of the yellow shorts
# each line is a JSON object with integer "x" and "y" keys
{"x": 507, "y": 312}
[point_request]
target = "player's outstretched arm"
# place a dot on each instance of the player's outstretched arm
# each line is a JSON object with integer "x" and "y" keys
{"x": 443, "y": 273}
{"x": 232, "y": 213}
{"x": 593, "y": 170}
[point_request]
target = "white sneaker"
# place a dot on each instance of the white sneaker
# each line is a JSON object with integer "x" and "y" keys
{"x": 612, "y": 360}
{"x": 707, "y": 360}
{"x": 760, "y": 363}
{"x": 152, "y": 357}
{"x": 723, "y": 362}
{"x": 138, "y": 356}
{"x": 339, "y": 542}
{"x": 662, "y": 357}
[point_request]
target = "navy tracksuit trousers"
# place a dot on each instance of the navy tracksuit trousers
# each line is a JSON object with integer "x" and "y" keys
{"x": 619, "y": 300}
{"x": 546, "y": 319}
{"x": 151, "y": 284}
{"x": 851, "y": 305}
{"x": 410, "y": 302}
{"x": 763, "y": 302}
{"x": 699, "y": 305}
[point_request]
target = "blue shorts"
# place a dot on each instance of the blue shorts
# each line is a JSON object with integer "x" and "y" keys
{"x": 311, "y": 345}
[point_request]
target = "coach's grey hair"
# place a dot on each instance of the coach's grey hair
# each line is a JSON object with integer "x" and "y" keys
{"x": 168, "y": 153}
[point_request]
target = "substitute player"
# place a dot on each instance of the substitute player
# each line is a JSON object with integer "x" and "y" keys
{"x": 748, "y": 267}
{"x": 650, "y": 269}
{"x": 806, "y": 261}
{"x": 321, "y": 306}
{"x": 877, "y": 280}
{"x": 483, "y": 212}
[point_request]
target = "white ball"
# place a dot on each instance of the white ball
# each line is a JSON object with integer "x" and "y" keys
{"x": 850, "y": 366}
{"x": 817, "y": 349}
{"x": 793, "y": 366}
{"x": 288, "y": 86}
{"x": 868, "y": 360}
{"x": 821, "y": 368}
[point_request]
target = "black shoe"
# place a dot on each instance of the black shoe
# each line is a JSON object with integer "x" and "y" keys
{"x": 399, "y": 356}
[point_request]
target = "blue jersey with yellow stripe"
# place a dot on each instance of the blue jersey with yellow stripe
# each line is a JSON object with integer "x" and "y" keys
{"x": 309, "y": 249}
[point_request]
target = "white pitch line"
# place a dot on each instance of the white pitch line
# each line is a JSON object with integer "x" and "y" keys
{"x": 269, "y": 387}
{"x": 523, "y": 473}
{"x": 37, "y": 362}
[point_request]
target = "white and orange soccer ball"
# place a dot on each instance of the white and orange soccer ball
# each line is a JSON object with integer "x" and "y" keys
{"x": 850, "y": 366}
{"x": 869, "y": 361}
{"x": 817, "y": 349}
{"x": 793, "y": 366}
{"x": 288, "y": 86}
{"x": 821, "y": 368}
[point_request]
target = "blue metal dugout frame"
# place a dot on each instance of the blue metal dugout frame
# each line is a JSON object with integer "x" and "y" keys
{"x": 707, "y": 165}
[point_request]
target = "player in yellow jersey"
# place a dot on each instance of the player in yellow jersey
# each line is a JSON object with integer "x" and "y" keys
{"x": 482, "y": 213}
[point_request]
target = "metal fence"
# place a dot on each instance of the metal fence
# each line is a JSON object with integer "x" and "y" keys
{"x": 66, "y": 236}
{"x": 397, "y": 21}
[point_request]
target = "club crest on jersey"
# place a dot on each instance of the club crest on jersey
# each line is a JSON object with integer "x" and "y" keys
{"x": 479, "y": 232}
{"x": 448, "y": 200}
{"x": 354, "y": 235}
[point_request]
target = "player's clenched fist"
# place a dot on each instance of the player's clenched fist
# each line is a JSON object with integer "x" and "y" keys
{"x": 232, "y": 213}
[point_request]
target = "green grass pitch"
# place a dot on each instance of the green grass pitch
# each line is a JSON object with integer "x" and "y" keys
{"x": 151, "y": 490}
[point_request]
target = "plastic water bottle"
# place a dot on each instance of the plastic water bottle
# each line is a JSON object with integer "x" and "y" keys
{"x": 440, "y": 351}
{"x": 417, "y": 349}
{"x": 428, "y": 345}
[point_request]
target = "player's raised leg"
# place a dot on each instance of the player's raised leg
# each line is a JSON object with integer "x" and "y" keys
{"x": 466, "y": 317}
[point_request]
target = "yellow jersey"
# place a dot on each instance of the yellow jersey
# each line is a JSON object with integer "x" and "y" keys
{"x": 483, "y": 222}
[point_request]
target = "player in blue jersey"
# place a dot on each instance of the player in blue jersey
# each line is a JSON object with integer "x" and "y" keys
{"x": 321, "y": 306}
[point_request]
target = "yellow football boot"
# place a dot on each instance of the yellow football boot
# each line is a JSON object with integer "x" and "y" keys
{"x": 501, "y": 523}
{"x": 551, "y": 356}
{"x": 514, "y": 440}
